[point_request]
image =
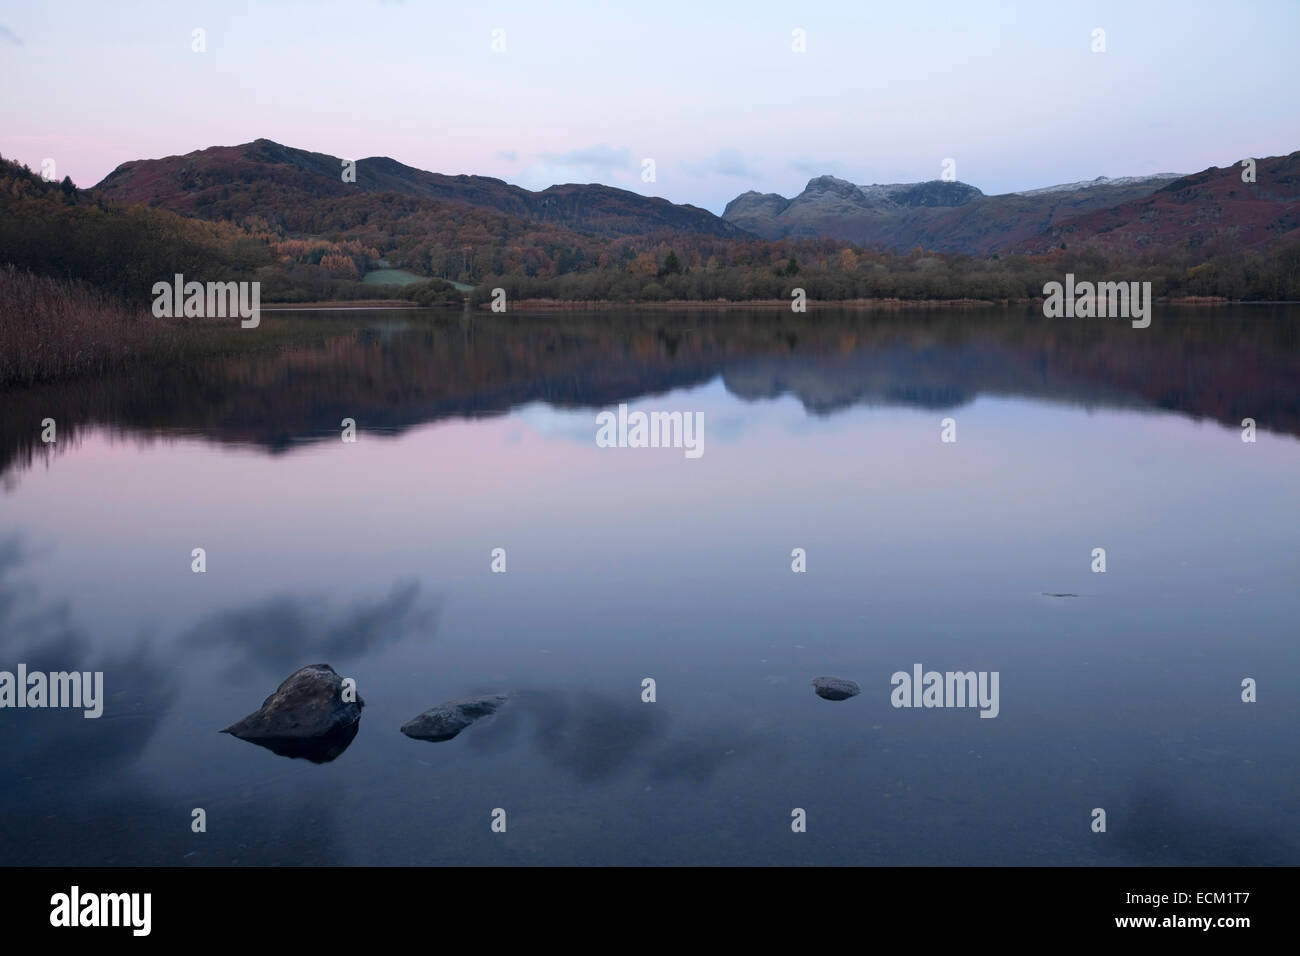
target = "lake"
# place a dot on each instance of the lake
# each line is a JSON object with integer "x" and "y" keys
{"x": 1120, "y": 690}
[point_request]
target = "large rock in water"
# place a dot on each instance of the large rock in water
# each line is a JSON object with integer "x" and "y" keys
{"x": 305, "y": 717}
{"x": 835, "y": 688}
{"x": 448, "y": 719}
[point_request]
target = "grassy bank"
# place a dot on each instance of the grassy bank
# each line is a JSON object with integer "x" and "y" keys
{"x": 54, "y": 330}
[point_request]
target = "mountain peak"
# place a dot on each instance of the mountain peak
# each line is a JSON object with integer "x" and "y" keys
{"x": 832, "y": 184}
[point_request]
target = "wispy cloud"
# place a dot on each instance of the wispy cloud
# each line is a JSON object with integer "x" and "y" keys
{"x": 819, "y": 167}
{"x": 591, "y": 157}
{"x": 725, "y": 162}
{"x": 9, "y": 35}
{"x": 600, "y": 163}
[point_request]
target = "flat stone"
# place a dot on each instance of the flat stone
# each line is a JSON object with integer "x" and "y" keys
{"x": 450, "y": 718}
{"x": 835, "y": 688}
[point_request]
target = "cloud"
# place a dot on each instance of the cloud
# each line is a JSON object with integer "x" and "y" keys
{"x": 591, "y": 157}
{"x": 509, "y": 155}
{"x": 725, "y": 162}
{"x": 600, "y": 163}
{"x": 9, "y": 35}
{"x": 819, "y": 167}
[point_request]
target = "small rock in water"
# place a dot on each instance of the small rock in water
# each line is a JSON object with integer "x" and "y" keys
{"x": 305, "y": 717}
{"x": 835, "y": 688}
{"x": 448, "y": 719}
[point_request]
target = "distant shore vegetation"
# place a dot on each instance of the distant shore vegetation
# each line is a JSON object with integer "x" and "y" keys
{"x": 828, "y": 272}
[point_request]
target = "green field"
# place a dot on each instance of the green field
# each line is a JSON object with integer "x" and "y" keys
{"x": 391, "y": 277}
{"x": 402, "y": 277}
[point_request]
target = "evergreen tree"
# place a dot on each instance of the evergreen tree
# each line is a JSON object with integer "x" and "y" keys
{"x": 672, "y": 265}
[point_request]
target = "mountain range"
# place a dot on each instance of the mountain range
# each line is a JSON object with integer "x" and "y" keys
{"x": 1129, "y": 214}
{"x": 939, "y": 216}
{"x": 1211, "y": 209}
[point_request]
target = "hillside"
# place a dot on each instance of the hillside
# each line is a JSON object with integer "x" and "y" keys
{"x": 265, "y": 178}
{"x": 1211, "y": 211}
{"x": 57, "y": 230}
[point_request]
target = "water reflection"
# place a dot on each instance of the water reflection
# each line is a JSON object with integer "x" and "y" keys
{"x": 1161, "y": 827}
{"x": 283, "y": 632}
{"x": 391, "y": 372}
{"x": 376, "y": 556}
{"x": 591, "y": 735}
{"x": 48, "y": 748}
{"x": 319, "y": 749}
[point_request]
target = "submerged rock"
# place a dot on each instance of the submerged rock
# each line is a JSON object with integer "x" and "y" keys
{"x": 450, "y": 718}
{"x": 305, "y": 717}
{"x": 835, "y": 688}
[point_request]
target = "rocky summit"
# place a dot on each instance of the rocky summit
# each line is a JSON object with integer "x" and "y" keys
{"x": 937, "y": 215}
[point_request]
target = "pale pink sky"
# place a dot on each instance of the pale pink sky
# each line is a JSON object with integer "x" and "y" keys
{"x": 714, "y": 94}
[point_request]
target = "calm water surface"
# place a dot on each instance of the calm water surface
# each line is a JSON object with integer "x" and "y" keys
{"x": 822, "y": 432}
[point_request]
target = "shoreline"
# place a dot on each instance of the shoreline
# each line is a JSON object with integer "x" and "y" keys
{"x": 774, "y": 305}
{"x": 721, "y": 305}
{"x": 341, "y": 305}
{"x": 711, "y": 305}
